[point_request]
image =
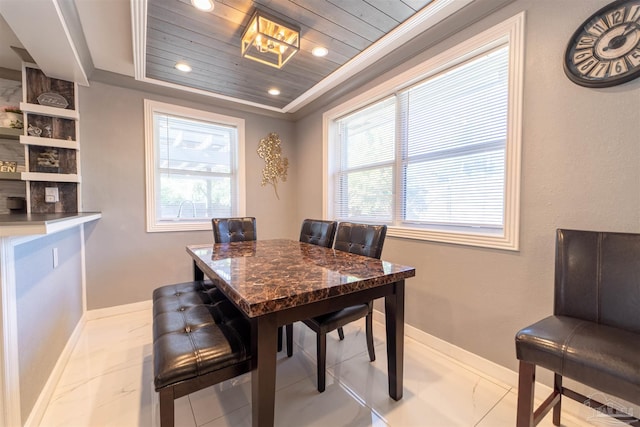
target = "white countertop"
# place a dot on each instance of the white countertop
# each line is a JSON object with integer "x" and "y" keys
{"x": 34, "y": 224}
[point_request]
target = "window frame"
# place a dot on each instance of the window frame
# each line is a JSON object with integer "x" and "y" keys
{"x": 154, "y": 224}
{"x": 509, "y": 32}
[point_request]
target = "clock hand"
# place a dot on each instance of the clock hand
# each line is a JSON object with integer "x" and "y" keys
{"x": 629, "y": 28}
{"x": 620, "y": 39}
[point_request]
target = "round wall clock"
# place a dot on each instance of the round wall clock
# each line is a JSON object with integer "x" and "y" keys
{"x": 605, "y": 50}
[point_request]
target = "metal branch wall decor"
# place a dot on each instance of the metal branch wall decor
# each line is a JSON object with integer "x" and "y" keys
{"x": 276, "y": 166}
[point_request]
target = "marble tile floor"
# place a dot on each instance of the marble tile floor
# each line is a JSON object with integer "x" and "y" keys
{"x": 108, "y": 382}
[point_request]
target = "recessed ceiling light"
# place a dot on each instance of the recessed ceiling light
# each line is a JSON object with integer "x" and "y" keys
{"x": 274, "y": 91}
{"x": 183, "y": 66}
{"x": 319, "y": 51}
{"x": 204, "y": 5}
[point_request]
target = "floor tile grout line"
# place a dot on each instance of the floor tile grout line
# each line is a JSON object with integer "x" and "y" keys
{"x": 461, "y": 364}
{"x": 193, "y": 413}
{"x": 310, "y": 377}
{"x": 380, "y": 344}
{"x": 359, "y": 399}
{"x": 493, "y": 407}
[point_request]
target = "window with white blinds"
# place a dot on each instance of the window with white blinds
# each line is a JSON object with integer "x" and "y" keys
{"x": 193, "y": 167}
{"x": 435, "y": 159}
{"x": 453, "y": 145}
{"x": 364, "y": 182}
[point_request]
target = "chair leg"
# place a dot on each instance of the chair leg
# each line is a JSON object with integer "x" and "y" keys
{"x": 369, "y": 328}
{"x": 321, "y": 361}
{"x": 557, "y": 385}
{"x": 279, "y": 338}
{"x": 526, "y": 385}
{"x": 166, "y": 407}
{"x": 340, "y": 333}
{"x": 290, "y": 339}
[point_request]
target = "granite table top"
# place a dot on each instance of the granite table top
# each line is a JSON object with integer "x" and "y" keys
{"x": 269, "y": 275}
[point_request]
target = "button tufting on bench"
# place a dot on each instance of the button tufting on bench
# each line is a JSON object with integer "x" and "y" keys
{"x": 199, "y": 338}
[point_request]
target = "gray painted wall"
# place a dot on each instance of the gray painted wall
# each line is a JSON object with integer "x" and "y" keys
{"x": 49, "y": 306}
{"x": 125, "y": 263}
{"x": 580, "y": 169}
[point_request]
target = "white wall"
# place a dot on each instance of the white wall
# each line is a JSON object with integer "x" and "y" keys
{"x": 580, "y": 169}
{"x": 125, "y": 263}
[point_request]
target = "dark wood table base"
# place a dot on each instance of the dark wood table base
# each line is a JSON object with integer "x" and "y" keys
{"x": 276, "y": 283}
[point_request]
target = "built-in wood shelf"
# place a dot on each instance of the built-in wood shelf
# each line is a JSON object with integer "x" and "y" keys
{"x": 10, "y": 133}
{"x": 49, "y": 142}
{"x": 52, "y": 177}
{"x": 11, "y": 176}
{"x": 49, "y": 111}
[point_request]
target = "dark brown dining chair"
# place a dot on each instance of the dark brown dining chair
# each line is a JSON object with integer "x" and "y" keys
{"x": 241, "y": 229}
{"x": 226, "y": 230}
{"x": 320, "y": 233}
{"x": 361, "y": 239}
{"x": 593, "y": 336}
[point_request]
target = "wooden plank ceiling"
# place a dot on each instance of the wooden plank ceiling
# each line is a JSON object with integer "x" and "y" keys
{"x": 210, "y": 43}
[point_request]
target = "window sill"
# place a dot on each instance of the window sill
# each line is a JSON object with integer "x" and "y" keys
{"x": 485, "y": 240}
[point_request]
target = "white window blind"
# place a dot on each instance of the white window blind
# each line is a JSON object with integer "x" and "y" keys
{"x": 455, "y": 137}
{"x": 194, "y": 167}
{"x": 432, "y": 155}
{"x": 364, "y": 183}
{"x": 434, "y": 150}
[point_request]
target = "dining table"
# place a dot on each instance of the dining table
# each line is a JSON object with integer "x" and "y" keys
{"x": 278, "y": 282}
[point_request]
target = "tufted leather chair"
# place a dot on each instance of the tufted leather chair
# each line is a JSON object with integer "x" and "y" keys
{"x": 320, "y": 233}
{"x": 361, "y": 239}
{"x": 593, "y": 336}
{"x": 227, "y": 230}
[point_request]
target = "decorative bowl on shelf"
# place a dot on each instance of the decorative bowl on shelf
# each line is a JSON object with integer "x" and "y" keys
{"x": 52, "y": 99}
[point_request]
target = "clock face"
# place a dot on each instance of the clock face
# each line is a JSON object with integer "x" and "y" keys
{"x": 605, "y": 50}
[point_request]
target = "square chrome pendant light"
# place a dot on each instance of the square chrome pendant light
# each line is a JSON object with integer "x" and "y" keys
{"x": 270, "y": 40}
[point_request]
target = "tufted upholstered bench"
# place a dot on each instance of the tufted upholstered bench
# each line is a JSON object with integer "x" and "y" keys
{"x": 594, "y": 335}
{"x": 199, "y": 339}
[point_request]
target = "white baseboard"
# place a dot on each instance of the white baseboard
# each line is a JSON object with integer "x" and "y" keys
{"x": 495, "y": 372}
{"x": 470, "y": 360}
{"x": 119, "y": 309}
{"x": 481, "y": 366}
{"x": 39, "y": 408}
